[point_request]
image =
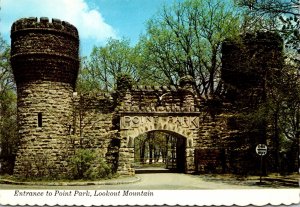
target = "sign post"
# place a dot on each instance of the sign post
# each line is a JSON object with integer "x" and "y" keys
{"x": 261, "y": 150}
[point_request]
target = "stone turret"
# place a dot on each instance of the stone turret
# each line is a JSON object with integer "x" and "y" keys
{"x": 45, "y": 63}
{"x": 187, "y": 82}
{"x": 247, "y": 63}
{"x": 250, "y": 64}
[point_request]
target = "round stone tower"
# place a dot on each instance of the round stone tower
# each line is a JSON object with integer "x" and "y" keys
{"x": 45, "y": 63}
{"x": 246, "y": 65}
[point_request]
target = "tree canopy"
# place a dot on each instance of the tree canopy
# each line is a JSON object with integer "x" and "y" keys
{"x": 185, "y": 39}
{"x": 8, "y": 108}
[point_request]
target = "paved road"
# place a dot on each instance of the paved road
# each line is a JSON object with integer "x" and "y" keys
{"x": 175, "y": 181}
{"x": 151, "y": 180}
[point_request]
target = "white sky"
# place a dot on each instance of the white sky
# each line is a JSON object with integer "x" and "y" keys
{"x": 89, "y": 22}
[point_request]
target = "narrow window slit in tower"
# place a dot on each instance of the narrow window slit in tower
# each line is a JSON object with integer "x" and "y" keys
{"x": 40, "y": 119}
{"x": 70, "y": 129}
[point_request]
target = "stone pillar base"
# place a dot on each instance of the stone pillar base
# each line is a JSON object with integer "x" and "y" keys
{"x": 126, "y": 159}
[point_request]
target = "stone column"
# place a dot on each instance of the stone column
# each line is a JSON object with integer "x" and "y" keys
{"x": 189, "y": 156}
{"x": 126, "y": 155}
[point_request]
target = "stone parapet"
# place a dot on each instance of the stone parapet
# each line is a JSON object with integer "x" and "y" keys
{"x": 44, "y": 50}
{"x": 159, "y": 99}
{"x": 43, "y": 24}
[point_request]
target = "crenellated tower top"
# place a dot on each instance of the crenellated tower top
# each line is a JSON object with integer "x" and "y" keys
{"x": 43, "y": 23}
{"x": 43, "y": 50}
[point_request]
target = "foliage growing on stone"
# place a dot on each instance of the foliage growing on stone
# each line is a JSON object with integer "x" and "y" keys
{"x": 28, "y": 173}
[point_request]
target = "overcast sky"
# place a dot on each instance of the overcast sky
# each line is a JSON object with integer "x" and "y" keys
{"x": 96, "y": 20}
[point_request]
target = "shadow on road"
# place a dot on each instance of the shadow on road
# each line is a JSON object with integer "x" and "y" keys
{"x": 151, "y": 170}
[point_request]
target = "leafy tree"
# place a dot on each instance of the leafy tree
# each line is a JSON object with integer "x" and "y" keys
{"x": 185, "y": 39}
{"x": 84, "y": 162}
{"x": 86, "y": 80}
{"x": 275, "y": 15}
{"x": 282, "y": 103}
{"x": 8, "y": 125}
{"x": 6, "y": 76}
{"x": 8, "y": 109}
{"x": 289, "y": 114}
{"x": 153, "y": 145}
{"x": 272, "y": 7}
{"x": 281, "y": 111}
{"x": 100, "y": 71}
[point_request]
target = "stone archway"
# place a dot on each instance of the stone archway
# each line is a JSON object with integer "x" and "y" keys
{"x": 133, "y": 124}
{"x": 173, "y": 150}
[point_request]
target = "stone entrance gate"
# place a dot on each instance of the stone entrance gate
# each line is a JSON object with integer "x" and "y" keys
{"x": 54, "y": 121}
{"x": 168, "y": 109}
{"x": 134, "y": 124}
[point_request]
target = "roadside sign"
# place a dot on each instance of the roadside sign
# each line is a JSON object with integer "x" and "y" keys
{"x": 261, "y": 149}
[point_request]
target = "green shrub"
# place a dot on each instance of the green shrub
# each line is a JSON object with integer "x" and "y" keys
{"x": 85, "y": 164}
{"x": 100, "y": 170}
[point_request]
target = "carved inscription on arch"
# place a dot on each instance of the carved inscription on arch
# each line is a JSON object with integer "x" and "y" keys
{"x": 190, "y": 122}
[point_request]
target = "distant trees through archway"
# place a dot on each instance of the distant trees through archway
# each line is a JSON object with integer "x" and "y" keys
{"x": 160, "y": 149}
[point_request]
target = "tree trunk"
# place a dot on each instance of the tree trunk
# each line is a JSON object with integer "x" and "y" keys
{"x": 276, "y": 140}
{"x": 150, "y": 140}
{"x": 142, "y": 152}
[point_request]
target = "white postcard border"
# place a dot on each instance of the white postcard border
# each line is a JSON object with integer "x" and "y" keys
{"x": 257, "y": 197}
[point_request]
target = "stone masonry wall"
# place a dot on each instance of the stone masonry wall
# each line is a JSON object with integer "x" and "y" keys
{"x": 159, "y": 99}
{"x": 93, "y": 126}
{"x": 45, "y": 63}
{"x": 43, "y": 149}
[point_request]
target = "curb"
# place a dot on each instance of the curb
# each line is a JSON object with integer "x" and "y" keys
{"x": 282, "y": 180}
{"x": 83, "y": 183}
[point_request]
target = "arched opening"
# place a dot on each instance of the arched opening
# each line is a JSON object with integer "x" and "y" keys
{"x": 160, "y": 149}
